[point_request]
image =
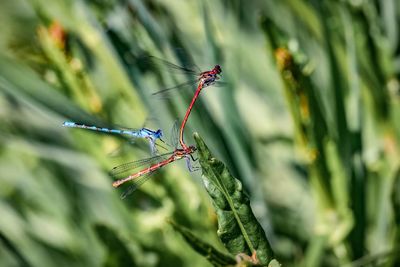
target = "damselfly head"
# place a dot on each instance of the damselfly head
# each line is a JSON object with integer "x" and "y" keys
{"x": 159, "y": 133}
{"x": 191, "y": 149}
{"x": 217, "y": 69}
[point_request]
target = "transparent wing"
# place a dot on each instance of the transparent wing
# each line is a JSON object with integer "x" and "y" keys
{"x": 135, "y": 184}
{"x": 185, "y": 57}
{"x": 168, "y": 92}
{"x": 124, "y": 170}
{"x": 157, "y": 145}
{"x": 175, "y": 134}
{"x": 149, "y": 120}
{"x": 220, "y": 84}
{"x": 163, "y": 64}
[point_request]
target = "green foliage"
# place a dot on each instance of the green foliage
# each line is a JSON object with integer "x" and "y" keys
{"x": 115, "y": 257}
{"x": 216, "y": 257}
{"x": 238, "y": 228}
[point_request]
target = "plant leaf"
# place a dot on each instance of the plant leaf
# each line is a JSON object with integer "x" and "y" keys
{"x": 214, "y": 256}
{"x": 238, "y": 228}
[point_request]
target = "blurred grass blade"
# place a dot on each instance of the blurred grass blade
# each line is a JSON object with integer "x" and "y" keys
{"x": 379, "y": 259}
{"x": 238, "y": 228}
{"x": 396, "y": 198}
{"x": 396, "y": 209}
{"x": 214, "y": 256}
{"x": 309, "y": 120}
{"x": 21, "y": 81}
{"x": 338, "y": 88}
{"x": 315, "y": 251}
{"x": 59, "y": 60}
{"x": 276, "y": 36}
{"x": 117, "y": 252}
{"x": 6, "y": 242}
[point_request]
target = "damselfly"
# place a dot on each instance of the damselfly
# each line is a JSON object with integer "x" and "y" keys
{"x": 203, "y": 79}
{"x": 145, "y": 133}
{"x": 153, "y": 164}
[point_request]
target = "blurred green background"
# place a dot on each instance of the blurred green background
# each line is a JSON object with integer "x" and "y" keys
{"x": 314, "y": 138}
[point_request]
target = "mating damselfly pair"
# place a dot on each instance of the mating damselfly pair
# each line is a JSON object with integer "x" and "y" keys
{"x": 124, "y": 173}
